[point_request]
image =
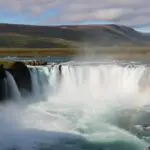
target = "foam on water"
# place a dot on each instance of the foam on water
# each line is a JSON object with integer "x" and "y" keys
{"x": 93, "y": 107}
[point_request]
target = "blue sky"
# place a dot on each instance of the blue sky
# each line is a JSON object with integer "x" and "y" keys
{"x": 144, "y": 29}
{"x": 132, "y": 13}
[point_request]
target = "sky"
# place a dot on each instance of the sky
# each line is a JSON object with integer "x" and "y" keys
{"x": 132, "y": 13}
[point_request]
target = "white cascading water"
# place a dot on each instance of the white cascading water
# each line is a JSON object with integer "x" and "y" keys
{"x": 87, "y": 107}
{"x": 35, "y": 82}
{"x": 12, "y": 87}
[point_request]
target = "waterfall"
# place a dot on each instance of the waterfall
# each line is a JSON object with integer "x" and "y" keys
{"x": 110, "y": 78}
{"x": 85, "y": 106}
{"x": 106, "y": 78}
{"x": 45, "y": 79}
{"x": 35, "y": 81}
{"x": 12, "y": 87}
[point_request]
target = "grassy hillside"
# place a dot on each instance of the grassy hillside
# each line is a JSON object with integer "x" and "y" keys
{"x": 25, "y": 36}
{"x": 21, "y": 41}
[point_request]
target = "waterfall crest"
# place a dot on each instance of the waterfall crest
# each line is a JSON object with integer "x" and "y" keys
{"x": 113, "y": 78}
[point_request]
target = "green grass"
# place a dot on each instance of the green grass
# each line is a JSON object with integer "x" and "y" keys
{"x": 16, "y": 41}
{"x": 7, "y": 64}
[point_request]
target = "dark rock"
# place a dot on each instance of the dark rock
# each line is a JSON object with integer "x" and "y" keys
{"x": 60, "y": 69}
{"x": 45, "y": 63}
{"x": 36, "y": 63}
{"x": 22, "y": 77}
{"x": 60, "y": 73}
{"x": 2, "y": 83}
{"x": 2, "y": 72}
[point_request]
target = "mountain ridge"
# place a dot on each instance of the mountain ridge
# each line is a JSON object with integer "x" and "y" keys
{"x": 63, "y": 36}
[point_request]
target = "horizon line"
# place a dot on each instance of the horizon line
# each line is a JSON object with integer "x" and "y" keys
{"x": 71, "y": 25}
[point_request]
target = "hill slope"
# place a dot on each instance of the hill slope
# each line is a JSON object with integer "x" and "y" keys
{"x": 26, "y": 36}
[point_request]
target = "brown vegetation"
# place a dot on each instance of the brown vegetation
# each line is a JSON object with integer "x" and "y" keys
{"x": 30, "y": 52}
{"x": 27, "y": 36}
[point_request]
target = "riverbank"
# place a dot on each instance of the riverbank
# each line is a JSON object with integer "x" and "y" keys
{"x": 30, "y": 52}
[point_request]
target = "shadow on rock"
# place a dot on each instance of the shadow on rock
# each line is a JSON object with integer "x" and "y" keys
{"x": 22, "y": 77}
{"x": 2, "y": 83}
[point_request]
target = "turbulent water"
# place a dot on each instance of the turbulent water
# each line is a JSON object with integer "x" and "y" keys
{"x": 83, "y": 106}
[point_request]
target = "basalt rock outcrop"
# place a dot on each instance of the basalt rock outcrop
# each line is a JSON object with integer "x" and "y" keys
{"x": 2, "y": 83}
{"x": 22, "y": 77}
{"x": 36, "y": 63}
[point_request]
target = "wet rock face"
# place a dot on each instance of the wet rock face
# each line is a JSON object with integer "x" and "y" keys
{"x": 36, "y": 63}
{"x": 2, "y": 72}
{"x": 2, "y": 83}
{"x": 60, "y": 69}
{"x": 22, "y": 77}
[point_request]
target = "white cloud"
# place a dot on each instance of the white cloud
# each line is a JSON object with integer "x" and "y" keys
{"x": 127, "y": 12}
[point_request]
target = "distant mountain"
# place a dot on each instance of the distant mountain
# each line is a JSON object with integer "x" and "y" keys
{"x": 27, "y": 36}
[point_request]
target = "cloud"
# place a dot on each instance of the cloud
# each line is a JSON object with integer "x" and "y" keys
{"x": 126, "y": 12}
